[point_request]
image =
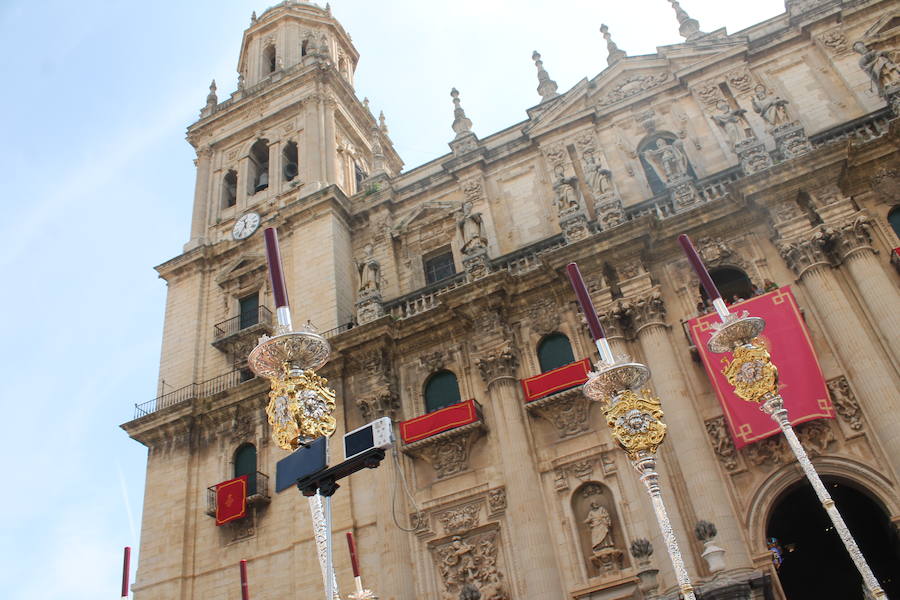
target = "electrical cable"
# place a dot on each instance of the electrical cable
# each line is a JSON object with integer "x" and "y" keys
{"x": 399, "y": 473}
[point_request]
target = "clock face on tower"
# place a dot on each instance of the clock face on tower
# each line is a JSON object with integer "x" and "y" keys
{"x": 245, "y": 226}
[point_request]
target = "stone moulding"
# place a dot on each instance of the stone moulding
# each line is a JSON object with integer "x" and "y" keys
{"x": 447, "y": 452}
{"x": 567, "y": 410}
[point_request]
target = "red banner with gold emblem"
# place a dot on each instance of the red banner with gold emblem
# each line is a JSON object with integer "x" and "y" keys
{"x": 231, "y": 500}
{"x": 800, "y": 379}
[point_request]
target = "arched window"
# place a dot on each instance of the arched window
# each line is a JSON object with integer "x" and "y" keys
{"x": 441, "y": 389}
{"x": 304, "y": 47}
{"x": 554, "y": 351}
{"x": 894, "y": 220}
{"x": 289, "y": 156}
{"x": 675, "y": 160}
{"x": 245, "y": 464}
{"x": 229, "y": 188}
{"x": 732, "y": 283}
{"x": 259, "y": 166}
{"x": 269, "y": 59}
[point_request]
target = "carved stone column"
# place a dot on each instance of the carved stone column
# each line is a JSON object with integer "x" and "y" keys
{"x": 853, "y": 245}
{"x": 202, "y": 200}
{"x": 871, "y": 375}
{"x": 687, "y": 440}
{"x": 531, "y": 537}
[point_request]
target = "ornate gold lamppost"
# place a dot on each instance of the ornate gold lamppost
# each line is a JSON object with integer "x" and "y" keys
{"x": 755, "y": 379}
{"x": 300, "y": 403}
{"x": 634, "y": 418}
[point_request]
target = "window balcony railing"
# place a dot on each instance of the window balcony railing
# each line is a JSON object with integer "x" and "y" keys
{"x": 260, "y": 319}
{"x": 257, "y": 493}
{"x": 205, "y": 389}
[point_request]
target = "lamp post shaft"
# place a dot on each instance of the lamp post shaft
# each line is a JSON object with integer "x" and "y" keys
{"x": 774, "y": 407}
{"x": 645, "y": 465}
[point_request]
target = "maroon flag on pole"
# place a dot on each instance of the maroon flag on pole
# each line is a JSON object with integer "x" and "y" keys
{"x": 231, "y": 500}
{"x": 800, "y": 379}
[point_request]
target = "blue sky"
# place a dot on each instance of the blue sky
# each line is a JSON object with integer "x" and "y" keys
{"x": 99, "y": 190}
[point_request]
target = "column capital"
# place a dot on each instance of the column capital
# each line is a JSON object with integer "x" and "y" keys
{"x": 852, "y": 237}
{"x": 805, "y": 254}
{"x": 647, "y": 310}
{"x": 497, "y": 364}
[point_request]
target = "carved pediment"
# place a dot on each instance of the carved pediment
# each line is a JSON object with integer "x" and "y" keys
{"x": 248, "y": 270}
{"x": 884, "y": 29}
{"x": 446, "y": 208}
{"x": 630, "y": 84}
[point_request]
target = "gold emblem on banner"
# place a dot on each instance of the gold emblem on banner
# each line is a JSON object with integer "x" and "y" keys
{"x": 636, "y": 422}
{"x": 751, "y": 373}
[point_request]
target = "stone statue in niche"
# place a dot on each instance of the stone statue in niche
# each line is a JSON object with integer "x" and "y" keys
{"x": 598, "y": 178}
{"x": 471, "y": 227}
{"x": 733, "y": 122}
{"x": 770, "y": 107}
{"x": 879, "y": 66}
{"x": 369, "y": 272}
{"x": 600, "y": 524}
{"x": 668, "y": 160}
{"x": 566, "y": 191}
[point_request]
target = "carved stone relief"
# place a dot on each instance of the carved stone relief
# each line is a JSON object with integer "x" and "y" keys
{"x": 845, "y": 403}
{"x": 632, "y": 85}
{"x": 496, "y": 501}
{"x": 835, "y": 40}
{"x": 447, "y": 452}
{"x": 815, "y": 436}
{"x": 461, "y": 518}
{"x": 543, "y": 316}
{"x": 721, "y": 441}
{"x": 469, "y": 566}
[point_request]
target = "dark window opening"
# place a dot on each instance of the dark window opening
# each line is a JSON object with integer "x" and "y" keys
{"x": 732, "y": 283}
{"x": 289, "y": 156}
{"x": 229, "y": 188}
{"x": 441, "y": 389}
{"x": 271, "y": 62}
{"x": 554, "y": 351}
{"x": 259, "y": 165}
{"x": 304, "y": 47}
{"x": 245, "y": 464}
{"x": 249, "y": 310}
{"x": 801, "y": 532}
{"x": 245, "y": 374}
{"x": 894, "y": 220}
{"x": 439, "y": 267}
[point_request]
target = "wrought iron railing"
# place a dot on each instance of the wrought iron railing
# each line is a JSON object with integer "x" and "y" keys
{"x": 204, "y": 389}
{"x": 257, "y": 492}
{"x": 330, "y": 333}
{"x": 229, "y": 327}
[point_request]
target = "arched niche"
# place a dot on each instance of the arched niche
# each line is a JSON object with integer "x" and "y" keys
{"x": 600, "y": 535}
{"x": 653, "y": 143}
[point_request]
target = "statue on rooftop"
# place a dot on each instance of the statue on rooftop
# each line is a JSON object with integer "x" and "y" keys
{"x": 879, "y": 66}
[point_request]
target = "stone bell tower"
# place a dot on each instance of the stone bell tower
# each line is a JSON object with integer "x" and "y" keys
{"x": 289, "y": 148}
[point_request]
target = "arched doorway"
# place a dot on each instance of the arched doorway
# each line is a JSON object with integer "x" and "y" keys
{"x": 815, "y": 564}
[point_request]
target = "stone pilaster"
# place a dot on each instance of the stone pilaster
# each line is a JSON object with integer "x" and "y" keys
{"x": 202, "y": 201}
{"x": 539, "y": 574}
{"x": 853, "y": 245}
{"x": 871, "y": 375}
{"x": 687, "y": 438}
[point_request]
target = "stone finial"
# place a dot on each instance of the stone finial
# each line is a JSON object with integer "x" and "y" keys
{"x": 641, "y": 549}
{"x": 546, "y": 86}
{"x": 705, "y": 531}
{"x": 328, "y": 8}
{"x": 253, "y": 17}
{"x": 461, "y": 124}
{"x": 378, "y": 161}
{"x": 211, "y": 98}
{"x": 688, "y": 28}
{"x": 614, "y": 53}
{"x": 365, "y": 104}
{"x": 381, "y": 124}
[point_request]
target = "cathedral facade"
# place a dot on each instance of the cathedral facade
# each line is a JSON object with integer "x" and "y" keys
{"x": 775, "y": 148}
